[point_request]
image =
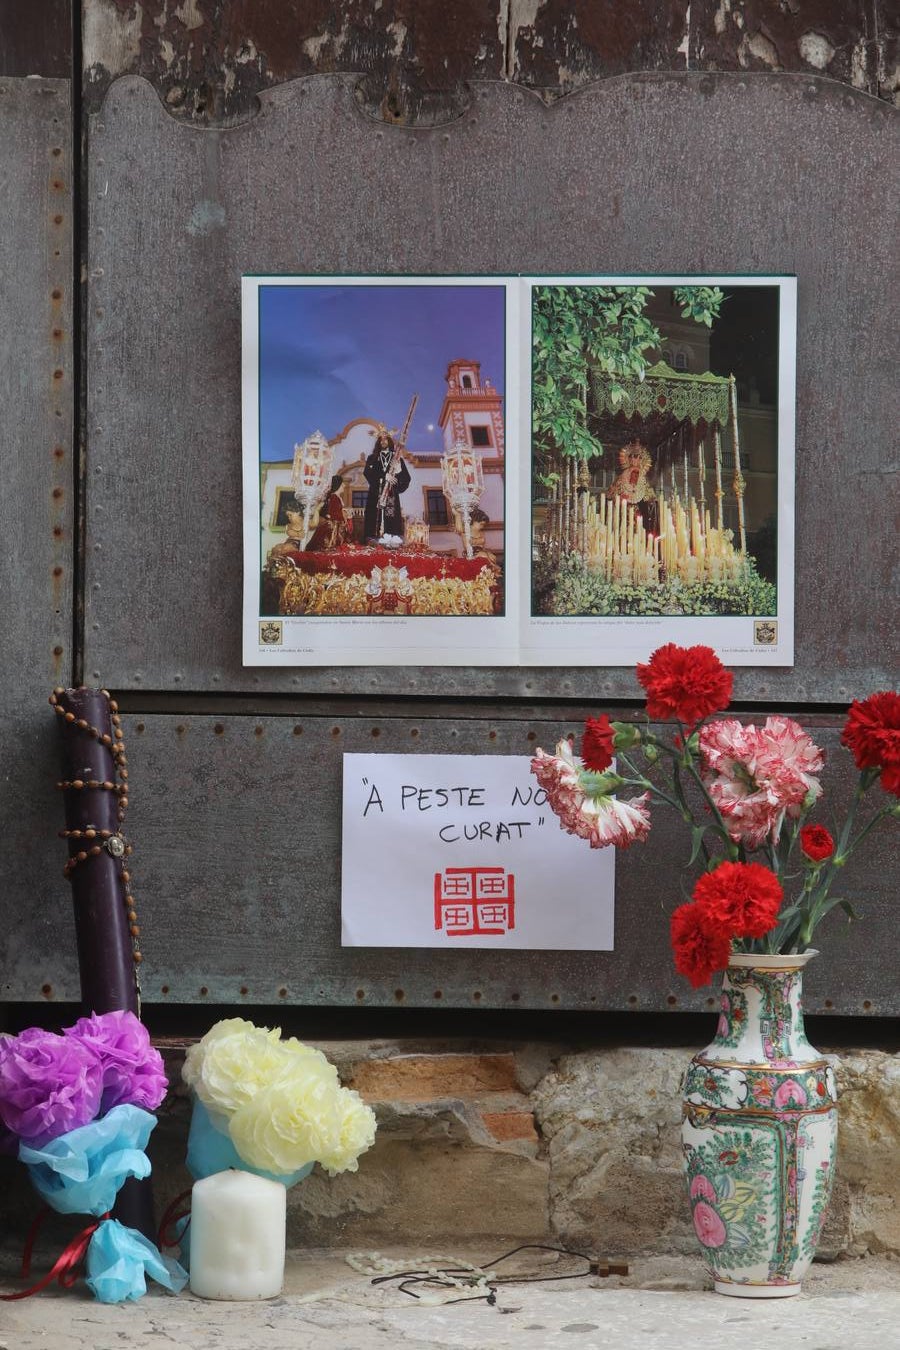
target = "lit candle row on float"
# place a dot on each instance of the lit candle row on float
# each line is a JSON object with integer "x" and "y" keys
{"x": 615, "y": 541}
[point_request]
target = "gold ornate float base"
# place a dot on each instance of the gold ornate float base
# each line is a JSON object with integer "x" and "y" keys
{"x": 329, "y": 593}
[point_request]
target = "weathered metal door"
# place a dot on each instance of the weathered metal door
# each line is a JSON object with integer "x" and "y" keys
{"x": 201, "y": 158}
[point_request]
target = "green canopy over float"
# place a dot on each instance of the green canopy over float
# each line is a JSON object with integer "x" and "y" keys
{"x": 666, "y": 392}
{"x": 703, "y": 402}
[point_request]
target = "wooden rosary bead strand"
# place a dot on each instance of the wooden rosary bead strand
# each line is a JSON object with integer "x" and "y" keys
{"x": 115, "y": 745}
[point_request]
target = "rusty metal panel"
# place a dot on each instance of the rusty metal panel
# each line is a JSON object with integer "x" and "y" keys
{"x": 653, "y": 173}
{"x": 236, "y": 870}
{"x": 36, "y": 522}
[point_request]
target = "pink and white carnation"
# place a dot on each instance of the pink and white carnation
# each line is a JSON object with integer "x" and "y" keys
{"x": 788, "y": 760}
{"x": 558, "y": 776}
{"x": 601, "y": 820}
{"x": 613, "y": 821}
{"x": 757, "y": 775}
{"x": 750, "y": 811}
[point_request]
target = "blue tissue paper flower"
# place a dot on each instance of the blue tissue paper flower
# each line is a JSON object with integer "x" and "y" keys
{"x": 82, "y": 1171}
{"x": 210, "y": 1150}
{"x": 118, "y": 1261}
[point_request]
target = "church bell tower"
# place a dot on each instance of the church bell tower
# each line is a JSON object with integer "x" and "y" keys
{"x": 472, "y": 411}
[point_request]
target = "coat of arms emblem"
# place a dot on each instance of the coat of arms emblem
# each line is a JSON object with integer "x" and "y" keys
{"x": 270, "y": 632}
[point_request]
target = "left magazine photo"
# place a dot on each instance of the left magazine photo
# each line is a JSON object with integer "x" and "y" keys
{"x": 377, "y": 491}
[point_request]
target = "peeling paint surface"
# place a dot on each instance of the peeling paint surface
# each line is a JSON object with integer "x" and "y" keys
{"x": 209, "y": 59}
{"x": 190, "y": 14}
{"x": 815, "y": 50}
{"x": 756, "y": 47}
{"x": 111, "y": 36}
{"x": 594, "y": 39}
{"x": 846, "y": 39}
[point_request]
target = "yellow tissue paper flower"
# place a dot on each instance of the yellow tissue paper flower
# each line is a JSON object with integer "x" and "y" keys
{"x": 292, "y": 1121}
{"x": 357, "y": 1133}
{"x": 236, "y": 1068}
{"x": 229, "y": 1026}
{"x": 236, "y": 1059}
{"x": 280, "y": 1101}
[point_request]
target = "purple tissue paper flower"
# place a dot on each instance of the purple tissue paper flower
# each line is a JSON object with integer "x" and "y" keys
{"x": 48, "y": 1085}
{"x": 133, "y": 1072}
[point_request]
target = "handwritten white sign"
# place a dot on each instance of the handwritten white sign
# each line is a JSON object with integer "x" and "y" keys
{"x": 463, "y": 851}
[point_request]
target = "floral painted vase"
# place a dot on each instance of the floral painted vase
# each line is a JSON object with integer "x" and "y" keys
{"x": 759, "y": 1133}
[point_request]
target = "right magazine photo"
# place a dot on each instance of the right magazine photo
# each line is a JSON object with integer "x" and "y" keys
{"x": 662, "y": 459}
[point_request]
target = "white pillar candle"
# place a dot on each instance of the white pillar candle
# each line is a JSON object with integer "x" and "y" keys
{"x": 237, "y": 1236}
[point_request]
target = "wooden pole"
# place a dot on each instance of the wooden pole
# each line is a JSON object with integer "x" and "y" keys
{"x": 95, "y": 788}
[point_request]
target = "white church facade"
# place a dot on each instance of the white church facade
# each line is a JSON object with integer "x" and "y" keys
{"x": 471, "y": 414}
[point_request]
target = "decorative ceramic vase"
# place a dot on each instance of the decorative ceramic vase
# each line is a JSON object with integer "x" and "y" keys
{"x": 759, "y": 1133}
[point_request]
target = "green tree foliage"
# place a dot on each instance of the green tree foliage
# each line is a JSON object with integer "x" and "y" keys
{"x": 579, "y": 328}
{"x": 700, "y": 303}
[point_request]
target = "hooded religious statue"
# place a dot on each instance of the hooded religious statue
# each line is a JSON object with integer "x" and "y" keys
{"x": 387, "y": 477}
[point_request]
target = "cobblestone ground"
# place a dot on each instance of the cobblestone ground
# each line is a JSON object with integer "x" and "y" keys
{"x": 664, "y": 1304}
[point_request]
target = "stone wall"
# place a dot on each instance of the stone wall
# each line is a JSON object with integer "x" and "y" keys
{"x": 533, "y": 1141}
{"x": 544, "y": 1141}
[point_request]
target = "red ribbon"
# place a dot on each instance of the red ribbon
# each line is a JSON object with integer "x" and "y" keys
{"x": 67, "y": 1266}
{"x": 164, "y": 1237}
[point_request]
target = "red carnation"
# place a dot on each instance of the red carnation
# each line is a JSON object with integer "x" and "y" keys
{"x": 741, "y": 899}
{"x": 816, "y": 842}
{"x": 598, "y": 744}
{"x": 872, "y": 734}
{"x": 700, "y": 948}
{"x": 685, "y": 683}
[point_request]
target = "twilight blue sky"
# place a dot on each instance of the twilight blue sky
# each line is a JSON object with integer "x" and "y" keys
{"x": 329, "y": 354}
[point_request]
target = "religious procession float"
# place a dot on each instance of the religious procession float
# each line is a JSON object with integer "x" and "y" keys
{"x": 337, "y": 560}
{"x": 664, "y": 530}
